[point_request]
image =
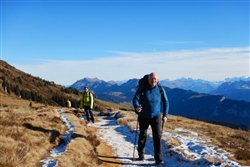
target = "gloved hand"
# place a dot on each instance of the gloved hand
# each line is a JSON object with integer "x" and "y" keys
{"x": 164, "y": 119}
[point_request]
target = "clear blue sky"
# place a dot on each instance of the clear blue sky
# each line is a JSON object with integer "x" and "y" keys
{"x": 64, "y": 41}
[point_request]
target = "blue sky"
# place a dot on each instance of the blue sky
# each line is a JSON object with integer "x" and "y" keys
{"x": 64, "y": 41}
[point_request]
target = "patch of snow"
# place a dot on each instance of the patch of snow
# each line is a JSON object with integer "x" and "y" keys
{"x": 121, "y": 139}
{"x": 49, "y": 162}
{"x": 62, "y": 147}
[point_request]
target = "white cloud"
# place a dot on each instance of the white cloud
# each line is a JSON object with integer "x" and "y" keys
{"x": 209, "y": 64}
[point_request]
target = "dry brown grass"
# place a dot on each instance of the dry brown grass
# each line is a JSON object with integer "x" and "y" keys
{"x": 234, "y": 141}
{"x": 87, "y": 149}
{"x": 28, "y": 134}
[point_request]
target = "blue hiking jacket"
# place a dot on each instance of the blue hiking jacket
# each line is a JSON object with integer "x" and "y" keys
{"x": 153, "y": 102}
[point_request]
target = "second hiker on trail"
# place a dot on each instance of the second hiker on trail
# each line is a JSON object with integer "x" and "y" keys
{"x": 87, "y": 103}
{"x": 147, "y": 101}
{"x": 68, "y": 103}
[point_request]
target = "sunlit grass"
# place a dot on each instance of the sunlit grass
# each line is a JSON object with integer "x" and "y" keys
{"x": 234, "y": 141}
{"x": 24, "y": 145}
{"x": 28, "y": 134}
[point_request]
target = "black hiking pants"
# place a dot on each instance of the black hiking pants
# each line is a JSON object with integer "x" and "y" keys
{"x": 155, "y": 124}
{"x": 89, "y": 114}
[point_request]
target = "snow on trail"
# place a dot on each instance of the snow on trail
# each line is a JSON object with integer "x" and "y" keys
{"x": 122, "y": 142}
{"x": 62, "y": 147}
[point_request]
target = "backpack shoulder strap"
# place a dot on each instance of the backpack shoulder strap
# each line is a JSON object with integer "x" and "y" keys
{"x": 161, "y": 89}
{"x": 90, "y": 93}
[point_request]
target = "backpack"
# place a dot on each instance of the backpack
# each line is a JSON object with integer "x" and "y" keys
{"x": 87, "y": 95}
{"x": 143, "y": 82}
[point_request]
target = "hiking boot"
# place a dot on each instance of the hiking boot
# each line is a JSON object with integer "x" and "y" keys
{"x": 141, "y": 157}
{"x": 159, "y": 162}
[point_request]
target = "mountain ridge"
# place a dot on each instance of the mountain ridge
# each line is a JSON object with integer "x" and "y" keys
{"x": 239, "y": 90}
{"x": 188, "y": 103}
{"x": 15, "y": 82}
{"x": 182, "y": 102}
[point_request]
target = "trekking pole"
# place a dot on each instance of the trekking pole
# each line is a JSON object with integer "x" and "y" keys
{"x": 162, "y": 126}
{"x": 135, "y": 137}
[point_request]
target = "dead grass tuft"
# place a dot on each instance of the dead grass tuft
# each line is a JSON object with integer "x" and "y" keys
{"x": 122, "y": 121}
{"x": 240, "y": 137}
{"x": 56, "y": 119}
{"x": 173, "y": 141}
{"x": 93, "y": 139}
{"x": 242, "y": 154}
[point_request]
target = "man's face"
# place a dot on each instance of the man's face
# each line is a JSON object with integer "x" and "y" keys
{"x": 153, "y": 79}
{"x": 86, "y": 89}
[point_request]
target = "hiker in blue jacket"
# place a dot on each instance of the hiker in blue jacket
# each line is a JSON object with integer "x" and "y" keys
{"x": 148, "y": 103}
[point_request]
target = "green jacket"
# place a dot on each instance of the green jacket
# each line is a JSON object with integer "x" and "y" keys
{"x": 87, "y": 100}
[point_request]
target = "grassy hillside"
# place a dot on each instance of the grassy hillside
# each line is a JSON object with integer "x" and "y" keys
{"x": 25, "y": 86}
{"x": 29, "y": 132}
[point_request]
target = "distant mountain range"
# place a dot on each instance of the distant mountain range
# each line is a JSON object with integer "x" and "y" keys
{"x": 189, "y": 103}
{"x": 239, "y": 90}
{"x": 232, "y": 88}
{"x": 197, "y": 85}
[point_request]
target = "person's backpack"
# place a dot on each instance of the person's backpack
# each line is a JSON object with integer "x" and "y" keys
{"x": 91, "y": 93}
{"x": 143, "y": 83}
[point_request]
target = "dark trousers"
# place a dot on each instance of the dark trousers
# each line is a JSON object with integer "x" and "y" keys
{"x": 155, "y": 124}
{"x": 89, "y": 113}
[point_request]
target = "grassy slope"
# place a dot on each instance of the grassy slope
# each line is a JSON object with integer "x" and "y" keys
{"x": 28, "y": 134}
